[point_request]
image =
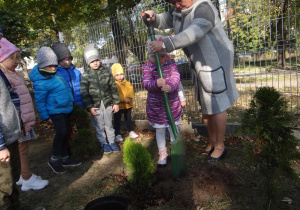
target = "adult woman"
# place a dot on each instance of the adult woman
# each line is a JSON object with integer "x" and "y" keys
{"x": 199, "y": 32}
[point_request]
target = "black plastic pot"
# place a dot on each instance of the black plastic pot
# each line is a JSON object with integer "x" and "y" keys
{"x": 107, "y": 203}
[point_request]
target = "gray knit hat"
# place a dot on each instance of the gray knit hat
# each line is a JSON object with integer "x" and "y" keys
{"x": 45, "y": 56}
{"x": 91, "y": 53}
{"x": 157, "y": 38}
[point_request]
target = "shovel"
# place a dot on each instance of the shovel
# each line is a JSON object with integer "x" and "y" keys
{"x": 177, "y": 146}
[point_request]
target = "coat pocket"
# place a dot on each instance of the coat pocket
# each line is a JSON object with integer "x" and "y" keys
{"x": 61, "y": 103}
{"x": 213, "y": 81}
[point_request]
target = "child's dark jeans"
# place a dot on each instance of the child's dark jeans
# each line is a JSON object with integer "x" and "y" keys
{"x": 61, "y": 124}
{"x": 128, "y": 121}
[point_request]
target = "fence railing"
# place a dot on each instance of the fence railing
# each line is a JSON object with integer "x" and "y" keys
{"x": 265, "y": 34}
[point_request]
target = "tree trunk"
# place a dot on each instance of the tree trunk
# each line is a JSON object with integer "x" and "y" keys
{"x": 118, "y": 39}
{"x": 280, "y": 34}
{"x": 136, "y": 47}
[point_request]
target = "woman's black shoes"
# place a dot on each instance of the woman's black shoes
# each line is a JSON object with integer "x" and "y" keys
{"x": 211, "y": 159}
{"x": 207, "y": 152}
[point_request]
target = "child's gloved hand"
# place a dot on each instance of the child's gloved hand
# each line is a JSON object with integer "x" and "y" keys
{"x": 93, "y": 111}
{"x": 160, "y": 82}
{"x": 115, "y": 108}
{"x": 166, "y": 88}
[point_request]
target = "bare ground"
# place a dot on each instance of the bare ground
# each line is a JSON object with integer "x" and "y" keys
{"x": 228, "y": 184}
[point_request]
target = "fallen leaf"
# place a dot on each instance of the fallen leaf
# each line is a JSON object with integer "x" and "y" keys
{"x": 108, "y": 187}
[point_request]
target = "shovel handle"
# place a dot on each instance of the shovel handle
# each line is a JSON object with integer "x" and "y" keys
{"x": 150, "y": 28}
{"x": 160, "y": 75}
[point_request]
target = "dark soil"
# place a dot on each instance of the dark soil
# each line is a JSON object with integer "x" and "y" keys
{"x": 227, "y": 184}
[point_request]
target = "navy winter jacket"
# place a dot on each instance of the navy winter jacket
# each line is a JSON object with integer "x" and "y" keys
{"x": 52, "y": 94}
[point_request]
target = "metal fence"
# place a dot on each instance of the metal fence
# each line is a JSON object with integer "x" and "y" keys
{"x": 265, "y": 34}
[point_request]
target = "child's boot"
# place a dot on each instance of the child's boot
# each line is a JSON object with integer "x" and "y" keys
{"x": 162, "y": 161}
{"x": 70, "y": 162}
{"x": 56, "y": 166}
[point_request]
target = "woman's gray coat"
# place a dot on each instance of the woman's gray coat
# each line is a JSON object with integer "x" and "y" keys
{"x": 199, "y": 32}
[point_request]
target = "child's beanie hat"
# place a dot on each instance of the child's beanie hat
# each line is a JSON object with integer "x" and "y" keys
{"x": 91, "y": 53}
{"x": 116, "y": 69}
{"x": 157, "y": 38}
{"x": 6, "y": 49}
{"x": 45, "y": 56}
{"x": 62, "y": 51}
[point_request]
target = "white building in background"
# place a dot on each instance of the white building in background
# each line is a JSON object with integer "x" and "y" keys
{"x": 30, "y": 64}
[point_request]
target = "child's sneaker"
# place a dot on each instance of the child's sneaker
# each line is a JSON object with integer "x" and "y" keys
{"x": 20, "y": 182}
{"x": 56, "y": 166}
{"x": 70, "y": 162}
{"x": 114, "y": 147}
{"x": 119, "y": 138}
{"x": 34, "y": 183}
{"x": 162, "y": 161}
{"x": 106, "y": 149}
{"x": 133, "y": 135}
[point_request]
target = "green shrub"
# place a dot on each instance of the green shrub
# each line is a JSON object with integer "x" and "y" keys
{"x": 138, "y": 160}
{"x": 274, "y": 146}
{"x": 80, "y": 118}
{"x": 84, "y": 144}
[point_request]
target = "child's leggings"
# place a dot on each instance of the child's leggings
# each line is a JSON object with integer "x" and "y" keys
{"x": 161, "y": 136}
{"x": 25, "y": 168}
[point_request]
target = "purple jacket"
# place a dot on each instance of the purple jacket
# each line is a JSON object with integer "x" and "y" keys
{"x": 156, "y": 111}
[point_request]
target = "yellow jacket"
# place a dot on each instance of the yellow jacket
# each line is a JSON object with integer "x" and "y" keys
{"x": 125, "y": 90}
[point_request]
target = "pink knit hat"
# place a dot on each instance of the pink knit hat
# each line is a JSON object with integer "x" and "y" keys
{"x": 6, "y": 49}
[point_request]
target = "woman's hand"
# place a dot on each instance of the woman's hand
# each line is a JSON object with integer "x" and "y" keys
{"x": 156, "y": 46}
{"x": 93, "y": 111}
{"x": 151, "y": 17}
{"x": 160, "y": 82}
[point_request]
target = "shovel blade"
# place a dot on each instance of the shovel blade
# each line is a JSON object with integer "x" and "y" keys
{"x": 178, "y": 157}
